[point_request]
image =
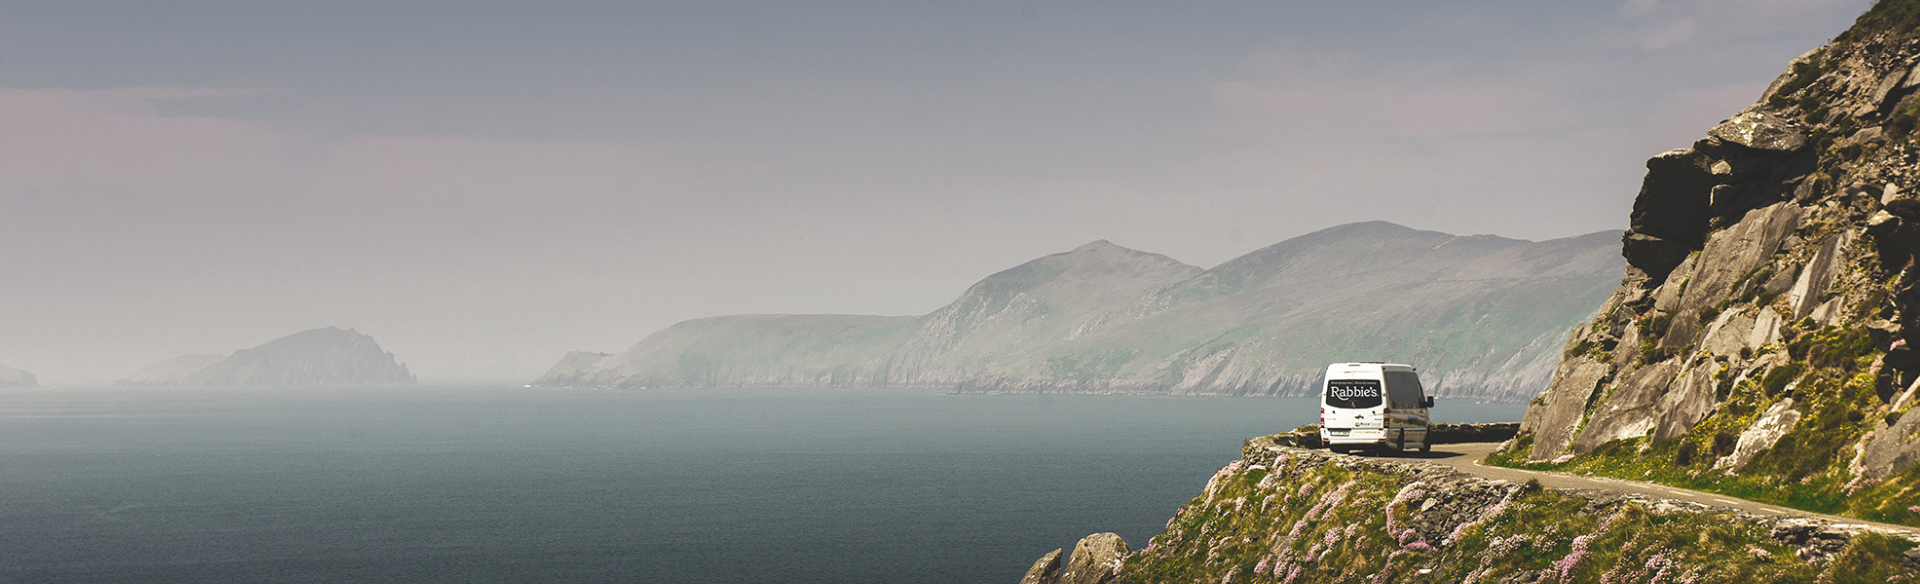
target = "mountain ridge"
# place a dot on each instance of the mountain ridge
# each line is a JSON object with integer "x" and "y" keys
{"x": 1105, "y": 318}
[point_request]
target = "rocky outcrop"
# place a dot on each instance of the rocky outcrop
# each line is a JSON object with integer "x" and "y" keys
{"x": 1285, "y": 514}
{"x": 1045, "y": 570}
{"x": 1482, "y": 316}
{"x": 1763, "y": 333}
{"x": 10, "y": 377}
{"x": 328, "y": 357}
{"x": 1096, "y": 559}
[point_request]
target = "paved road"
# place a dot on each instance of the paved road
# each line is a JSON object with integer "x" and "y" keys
{"x": 1467, "y": 457}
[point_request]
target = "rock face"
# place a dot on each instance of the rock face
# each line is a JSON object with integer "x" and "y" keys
{"x": 1764, "y": 330}
{"x": 10, "y": 377}
{"x": 328, "y": 357}
{"x": 1482, "y": 317}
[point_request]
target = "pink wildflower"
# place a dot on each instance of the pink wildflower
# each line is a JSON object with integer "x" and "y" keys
{"x": 1295, "y": 573}
{"x": 1407, "y": 493}
{"x": 1573, "y": 557}
{"x": 1386, "y": 571}
{"x": 1562, "y": 459}
{"x": 1260, "y": 567}
{"x": 1658, "y": 564}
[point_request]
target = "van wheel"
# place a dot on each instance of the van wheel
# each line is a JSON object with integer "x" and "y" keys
{"x": 1424, "y": 447}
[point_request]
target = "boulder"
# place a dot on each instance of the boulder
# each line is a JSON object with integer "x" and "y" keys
{"x": 1045, "y": 570}
{"x": 1555, "y": 421}
{"x": 1761, "y": 131}
{"x": 1893, "y": 448}
{"x": 1760, "y": 436}
{"x": 1096, "y": 559}
{"x": 1887, "y": 89}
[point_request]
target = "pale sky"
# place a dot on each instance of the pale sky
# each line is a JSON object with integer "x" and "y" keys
{"x": 483, "y": 186}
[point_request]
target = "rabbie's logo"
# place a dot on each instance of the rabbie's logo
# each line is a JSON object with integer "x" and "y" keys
{"x": 1350, "y": 390}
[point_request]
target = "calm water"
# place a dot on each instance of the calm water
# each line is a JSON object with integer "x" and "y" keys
{"x": 499, "y": 485}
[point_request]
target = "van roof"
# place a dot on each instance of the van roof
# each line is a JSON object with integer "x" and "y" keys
{"x": 1370, "y": 366}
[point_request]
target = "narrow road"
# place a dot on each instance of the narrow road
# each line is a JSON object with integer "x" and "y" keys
{"x": 1467, "y": 457}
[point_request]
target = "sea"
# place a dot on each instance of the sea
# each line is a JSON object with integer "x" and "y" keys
{"x": 521, "y": 485}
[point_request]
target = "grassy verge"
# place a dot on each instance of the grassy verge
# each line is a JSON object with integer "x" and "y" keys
{"x": 1296, "y": 524}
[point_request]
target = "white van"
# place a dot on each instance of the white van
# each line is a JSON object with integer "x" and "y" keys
{"x": 1377, "y": 406}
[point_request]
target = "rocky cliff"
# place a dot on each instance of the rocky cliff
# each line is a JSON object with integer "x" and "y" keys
{"x": 10, "y": 377}
{"x": 1762, "y": 341}
{"x": 1482, "y": 316}
{"x": 328, "y": 357}
{"x": 1289, "y": 515}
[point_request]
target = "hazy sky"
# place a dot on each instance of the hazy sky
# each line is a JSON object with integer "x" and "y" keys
{"x": 483, "y": 186}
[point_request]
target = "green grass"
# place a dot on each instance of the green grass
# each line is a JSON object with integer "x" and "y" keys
{"x": 1253, "y": 521}
{"x": 1808, "y": 468}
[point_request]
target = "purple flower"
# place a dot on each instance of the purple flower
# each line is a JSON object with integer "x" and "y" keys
{"x": 1573, "y": 556}
{"x": 1407, "y": 493}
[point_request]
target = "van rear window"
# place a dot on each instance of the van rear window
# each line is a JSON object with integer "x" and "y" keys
{"x": 1353, "y": 393}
